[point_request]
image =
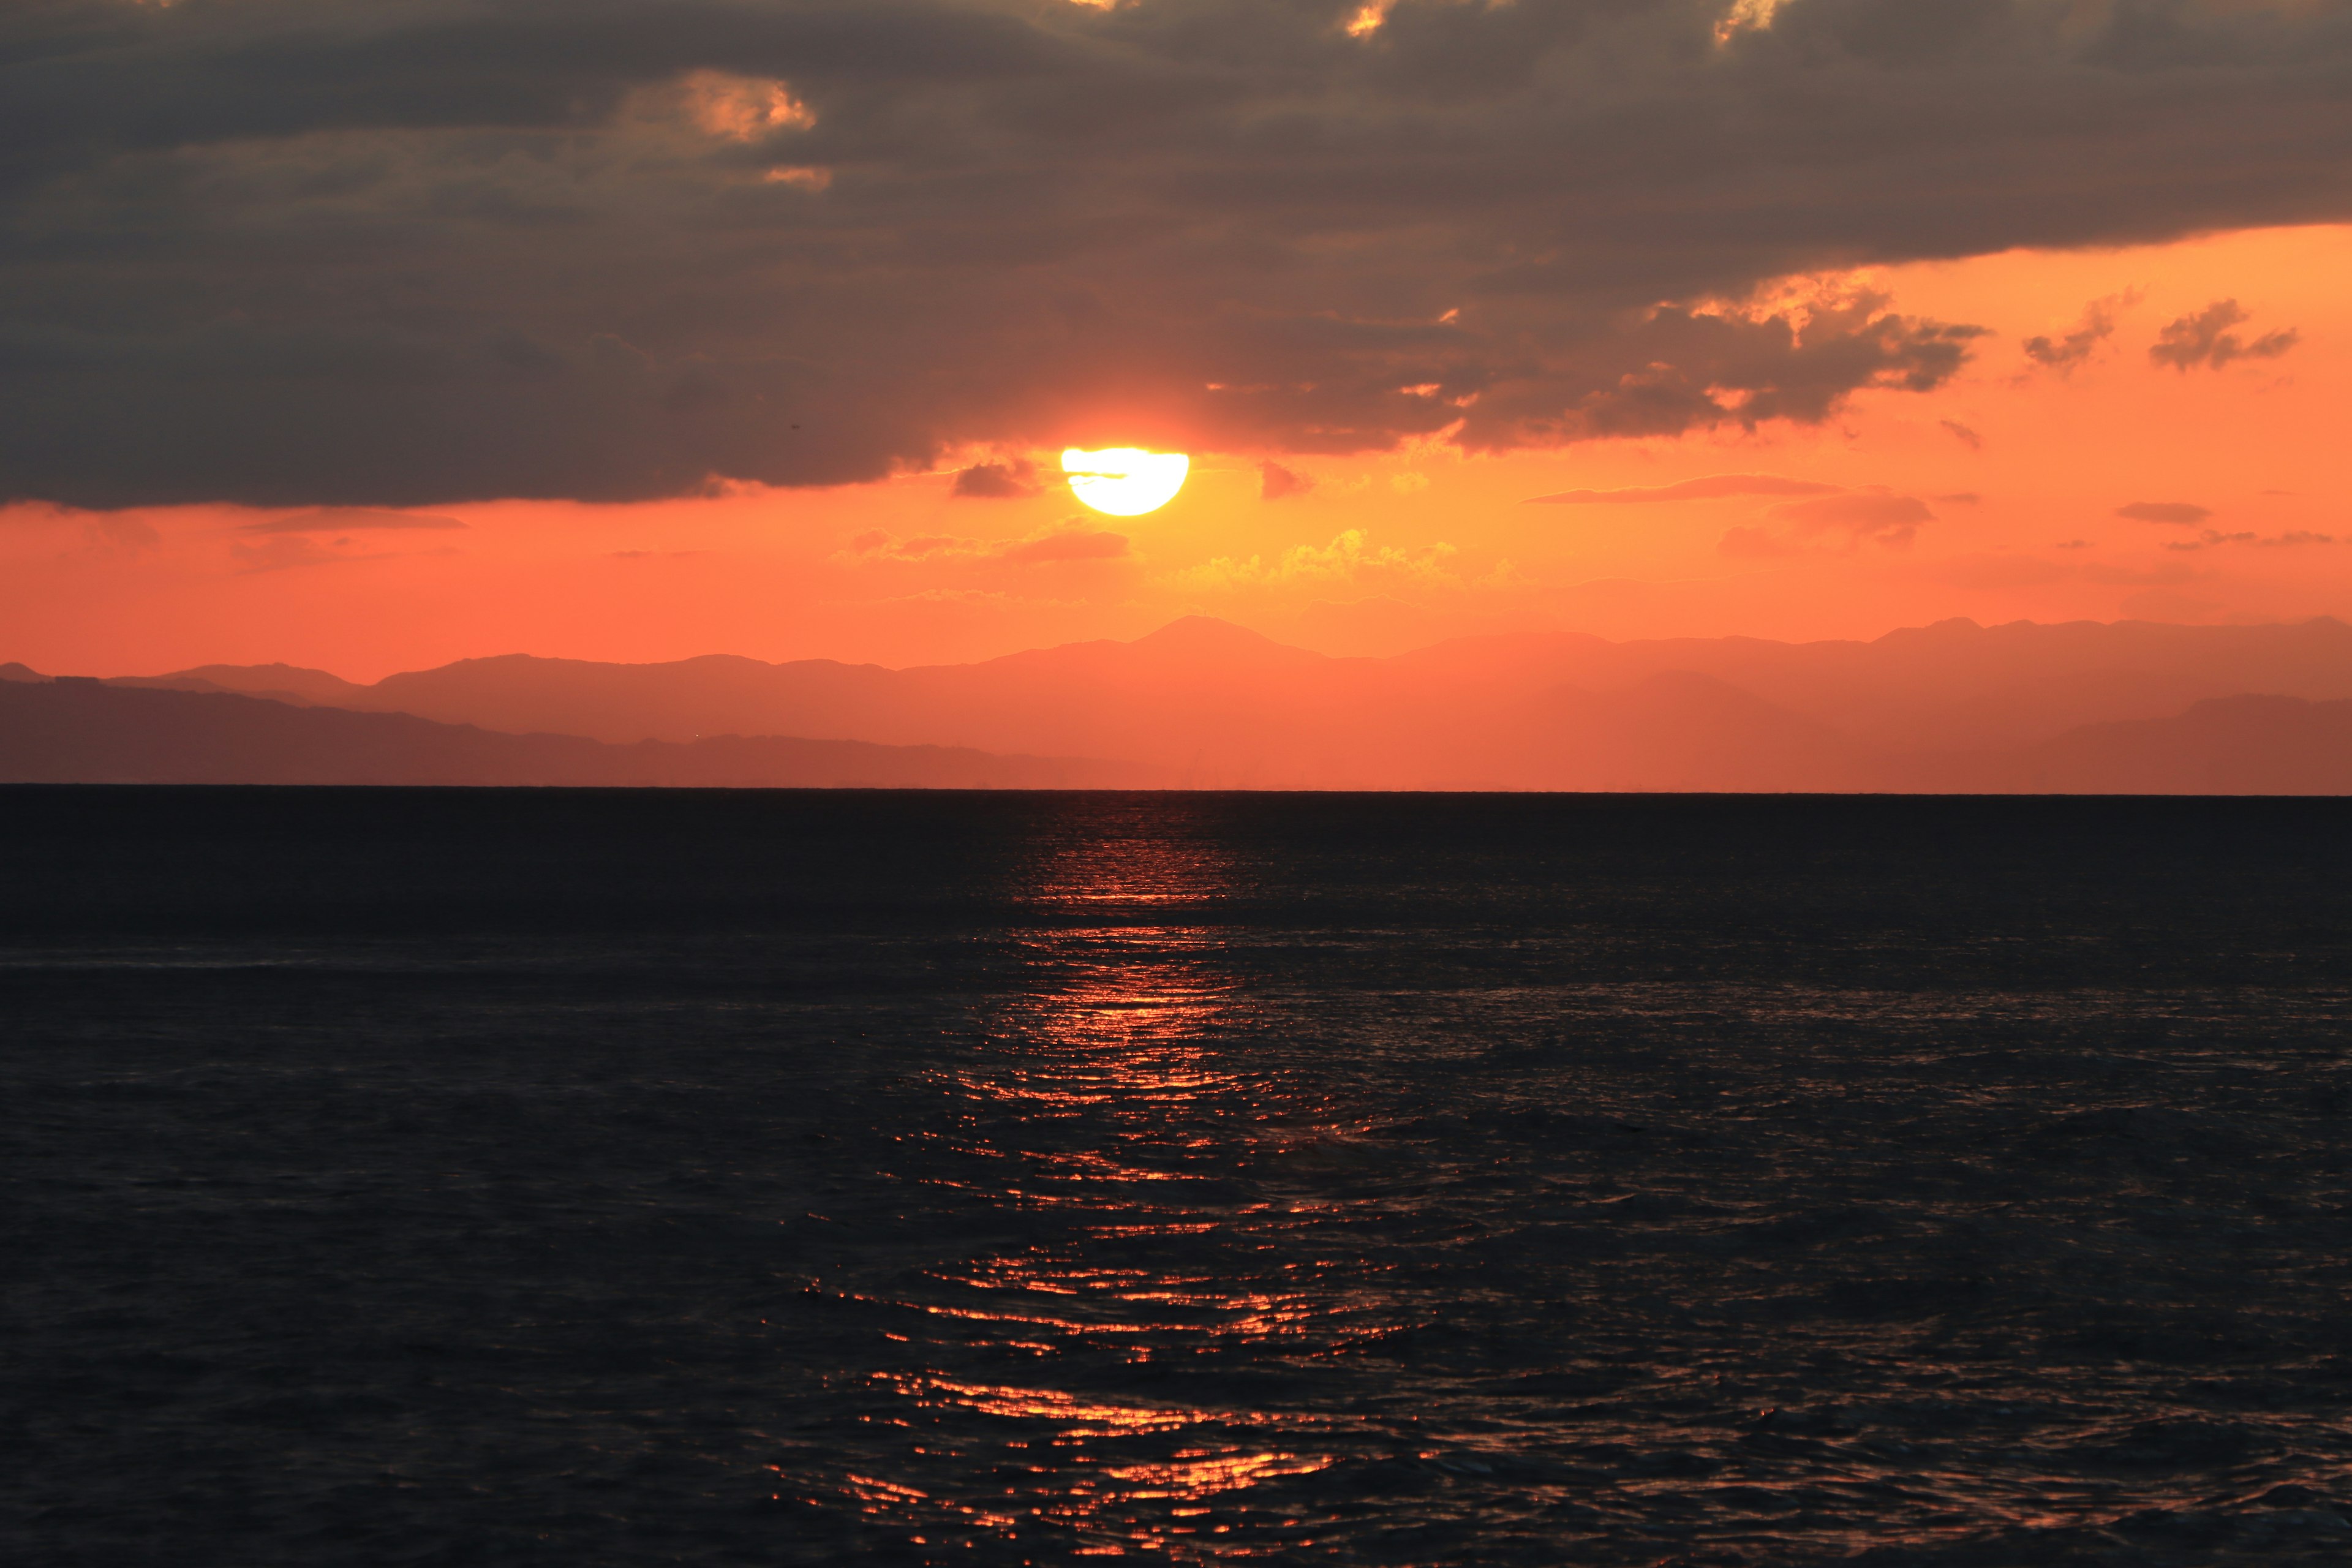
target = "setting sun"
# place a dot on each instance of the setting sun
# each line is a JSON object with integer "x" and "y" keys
{"x": 1125, "y": 481}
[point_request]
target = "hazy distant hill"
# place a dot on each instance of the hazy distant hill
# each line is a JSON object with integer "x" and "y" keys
{"x": 1214, "y": 704}
{"x": 1678, "y": 732}
{"x": 68, "y": 731}
{"x": 280, "y": 682}
{"x": 2229, "y": 745}
{"x": 2134, "y": 706}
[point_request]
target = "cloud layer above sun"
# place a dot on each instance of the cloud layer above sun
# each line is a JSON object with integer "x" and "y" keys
{"x": 305, "y": 253}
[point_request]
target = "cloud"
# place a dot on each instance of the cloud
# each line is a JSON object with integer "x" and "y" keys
{"x": 1713, "y": 488}
{"x": 2179, "y": 511}
{"x": 1350, "y": 558}
{"x": 1750, "y": 542}
{"x": 1068, "y": 544}
{"x": 278, "y": 551}
{"x": 1015, "y": 480}
{"x": 1278, "y": 483}
{"x": 1876, "y": 514}
{"x": 743, "y": 109}
{"x": 1714, "y": 364}
{"x": 409, "y": 253}
{"x": 2204, "y": 338}
{"x": 129, "y": 537}
{"x": 347, "y": 519}
{"x": 2097, "y": 326}
{"x": 2211, "y": 537}
{"x": 879, "y": 544}
{"x": 1963, "y": 435}
{"x": 1073, "y": 540}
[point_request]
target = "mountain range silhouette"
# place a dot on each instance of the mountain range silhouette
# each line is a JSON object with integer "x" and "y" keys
{"x": 2129, "y": 707}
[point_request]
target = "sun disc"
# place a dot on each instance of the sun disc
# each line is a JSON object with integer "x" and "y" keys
{"x": 1125, "y": 481}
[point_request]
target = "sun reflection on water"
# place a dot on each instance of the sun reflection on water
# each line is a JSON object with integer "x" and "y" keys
{"x": 1078, "y": 1372}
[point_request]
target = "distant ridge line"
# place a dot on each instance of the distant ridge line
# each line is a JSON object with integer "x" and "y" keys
{"x": 1205, "y": 703}
{"x": 67, "y": 732}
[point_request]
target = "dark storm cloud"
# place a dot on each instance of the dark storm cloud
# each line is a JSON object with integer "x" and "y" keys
{"x": 393, "y": 253}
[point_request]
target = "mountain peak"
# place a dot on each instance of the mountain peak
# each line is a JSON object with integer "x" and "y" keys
{"x": 1207, "y": 634}
{"x": 1191, "y": 628}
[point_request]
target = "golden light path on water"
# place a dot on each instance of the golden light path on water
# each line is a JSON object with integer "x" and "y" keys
{"x": 1193, "y": 1223}
{"x": 1102, "y": 1107}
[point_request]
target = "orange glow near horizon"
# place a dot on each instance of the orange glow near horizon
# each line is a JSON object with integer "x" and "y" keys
{"x": 2003, "y": 495}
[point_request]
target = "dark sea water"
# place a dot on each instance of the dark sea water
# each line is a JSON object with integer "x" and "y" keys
{"x": 583, "y": 1178}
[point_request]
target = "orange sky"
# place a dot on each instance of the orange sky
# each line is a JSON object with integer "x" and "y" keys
{"x": 1383, "y": 554}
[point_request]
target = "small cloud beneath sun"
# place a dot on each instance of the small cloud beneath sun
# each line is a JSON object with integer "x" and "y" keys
{"x": 1015, "y": 480}
{"x": 1067, "y": 544}
{"x": 1349, "y": 558}
{"x": 1069, "y": 540}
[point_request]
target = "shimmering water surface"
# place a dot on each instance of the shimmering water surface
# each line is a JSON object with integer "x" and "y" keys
{"x": 454, "y": 1177}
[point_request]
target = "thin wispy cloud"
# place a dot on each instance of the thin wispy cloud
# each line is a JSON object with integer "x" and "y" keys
{"x": 1715, "y": 487}
{"x": 349, "y": 519}
{"x": 2173, "y": 512}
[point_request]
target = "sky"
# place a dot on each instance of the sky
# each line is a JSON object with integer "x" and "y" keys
{"x": 367, "y": 337}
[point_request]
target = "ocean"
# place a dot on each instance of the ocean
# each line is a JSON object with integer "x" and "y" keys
{"x": 616, "y": 1177}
